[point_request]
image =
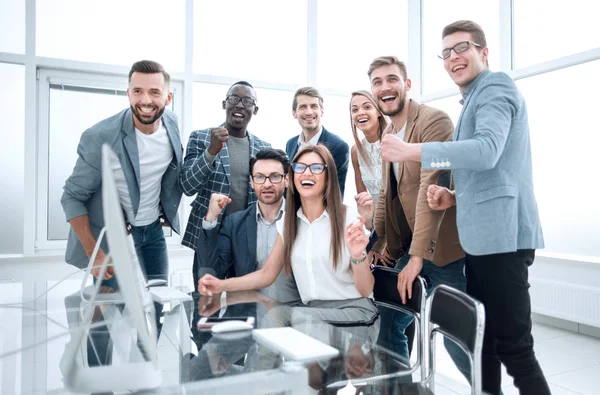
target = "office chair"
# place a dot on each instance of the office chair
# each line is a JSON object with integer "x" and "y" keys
{"x": 460, "y": 318}
{"x": 385, "y": 293}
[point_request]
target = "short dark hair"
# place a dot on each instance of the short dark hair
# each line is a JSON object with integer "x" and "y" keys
{"x": 242, "y": 83}
{"x": 468, "y": 27}
{"x": 387, "y": 61}
{"x": 307, "y": 91}
{"x": 149, "y": 67}
{"x": 271, "y": 154}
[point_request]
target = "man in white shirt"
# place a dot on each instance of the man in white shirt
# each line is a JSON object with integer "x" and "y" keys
{"x": 307, "y": 108}
{"x": 145, "y": 138}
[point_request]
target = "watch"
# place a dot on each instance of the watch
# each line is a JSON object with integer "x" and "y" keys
{"x": 359, "y": 260}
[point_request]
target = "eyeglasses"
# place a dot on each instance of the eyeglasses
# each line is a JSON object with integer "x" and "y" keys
{"x": 275, "y": 178}
{"x": 246, "y": 101}
{"x": 458, "y": 48}
{"x": 315, "y": 168}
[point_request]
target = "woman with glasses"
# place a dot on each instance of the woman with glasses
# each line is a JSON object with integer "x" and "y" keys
{"x": 321, "y": 241}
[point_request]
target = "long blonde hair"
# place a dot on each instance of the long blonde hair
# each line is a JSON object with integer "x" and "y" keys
{"x": 332, "y": 199}
{"x": 380, "y": 118}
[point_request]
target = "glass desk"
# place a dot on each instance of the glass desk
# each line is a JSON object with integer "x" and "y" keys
{"x": 34, "y": 335}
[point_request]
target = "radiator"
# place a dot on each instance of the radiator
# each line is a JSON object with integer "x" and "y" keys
{"x": 576, "y": 303}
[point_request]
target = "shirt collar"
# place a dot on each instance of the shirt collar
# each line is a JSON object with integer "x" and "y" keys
{"x": 315, "y": 138}
{"x": 300, "y": 214}
{"x": 279, "y": 215}
{"x": 467, "y": 91}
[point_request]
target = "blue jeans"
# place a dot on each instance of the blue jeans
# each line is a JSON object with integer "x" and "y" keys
{"x": 393, "y": 323}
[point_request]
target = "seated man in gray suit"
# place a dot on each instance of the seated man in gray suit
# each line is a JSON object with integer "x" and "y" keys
{"x": 497, "y": 216}
{"x": 246, "y": 238}
{"x": 145, "y": 138}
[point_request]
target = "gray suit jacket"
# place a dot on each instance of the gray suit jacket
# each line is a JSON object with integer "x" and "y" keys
{"x": 82, "y": 193}
{"x": 490, "y": 159}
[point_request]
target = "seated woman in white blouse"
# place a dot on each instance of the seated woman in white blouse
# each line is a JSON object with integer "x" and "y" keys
{"x": 332, "y": 275}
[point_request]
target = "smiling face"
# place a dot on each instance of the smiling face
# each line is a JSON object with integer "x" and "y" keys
{"x": 308, "y": 113}
{"x": 237, "y": 116}
{"x": 306, "y": 183}
{"x": 268, "y": 193}
{"x": 148, "y": 97}
{"x": 464, "y": 67}
{"x": 365, "y": 115}
{"x": 389, "y": 88}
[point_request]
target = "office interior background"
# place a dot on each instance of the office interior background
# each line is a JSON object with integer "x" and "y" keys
{"x": 64, "y": 65}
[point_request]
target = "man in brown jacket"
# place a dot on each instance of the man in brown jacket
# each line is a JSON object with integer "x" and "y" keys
{"x": 424, "y": 241}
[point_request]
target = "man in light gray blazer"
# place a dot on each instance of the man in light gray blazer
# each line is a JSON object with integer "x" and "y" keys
{"x": 497, "y": 215}
{"x": 145, "y": 138}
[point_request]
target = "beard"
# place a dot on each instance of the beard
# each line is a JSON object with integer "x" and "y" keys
{"x": 398, "y": 109}
{"x": 145, "y": 119}
{"x": 273, "y": 198}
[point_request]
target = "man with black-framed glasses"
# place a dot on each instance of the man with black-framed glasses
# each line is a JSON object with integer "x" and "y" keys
{"x": 246, "y": 238}
{"x": 496, "y": 210}
{"x": 216, "y": 161}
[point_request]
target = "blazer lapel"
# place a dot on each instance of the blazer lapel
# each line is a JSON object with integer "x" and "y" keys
{"x": 413, "y": 114}
{"x": 224, "y": 156}
{"x": 172, "y": 132}
{"x": 131, "y": 160}
{"x": 251, "y": 236}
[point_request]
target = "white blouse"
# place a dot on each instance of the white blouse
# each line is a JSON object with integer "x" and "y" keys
{"x": 312, "y": 260}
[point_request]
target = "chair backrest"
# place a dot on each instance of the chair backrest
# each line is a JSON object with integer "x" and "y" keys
{"x": 386, "y": 290}
{"x": 462, "y": 319}
{"x": 457, "y": 315}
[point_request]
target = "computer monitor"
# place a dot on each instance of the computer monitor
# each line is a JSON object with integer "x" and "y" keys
{"x": 141, "y": 373}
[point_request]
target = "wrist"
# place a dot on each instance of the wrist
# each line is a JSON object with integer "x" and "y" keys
{"x": 210, "y": 218}
{"x": 360, "y": 259}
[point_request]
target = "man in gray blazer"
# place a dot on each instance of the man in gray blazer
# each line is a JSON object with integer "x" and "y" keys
{"x": 497, "y": 215}
{"x": 145, "y": 138}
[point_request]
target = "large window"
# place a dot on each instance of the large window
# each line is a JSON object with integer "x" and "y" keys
{"x": 12, "y": 26}
{"x": 112, "y": 31}
{"x": 559, "y": 29}
{"x": 12, "y": 131}
{"x": 263, "y": 40}
{"x": 352, "y": 35}
{"x": 439, "y": 13}
{"x": 565, "y": 139}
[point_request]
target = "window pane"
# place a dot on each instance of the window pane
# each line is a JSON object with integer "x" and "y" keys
{"x": 565, "y": 151}
{"x": 12, "y": 159}
{"x": 450, "y": 105}
{"x": 113, "y": 31}
{"x": 439, "y": 13}
{"x": 71, "y": 113}
{"x": 560, "y": 29}
{"x": 268, "y": 46}
{"x": 273, "y": 123}
{"x": 350, "y": 37}
{"x": 12, "y": 26}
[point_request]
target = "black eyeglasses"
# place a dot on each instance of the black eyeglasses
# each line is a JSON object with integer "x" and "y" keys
{"x": 458, "y": 48}
{"x": 275, "y": 178}
{"x": 246, "y": 101}
{"x": 315, "y": 168}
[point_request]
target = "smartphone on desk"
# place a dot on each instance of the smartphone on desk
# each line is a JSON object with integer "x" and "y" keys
{"x": 206, "y": 323}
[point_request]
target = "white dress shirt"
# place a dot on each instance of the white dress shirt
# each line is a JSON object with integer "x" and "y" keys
{"x": 314, "y": 140}
{"x": 312, "y": 260}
